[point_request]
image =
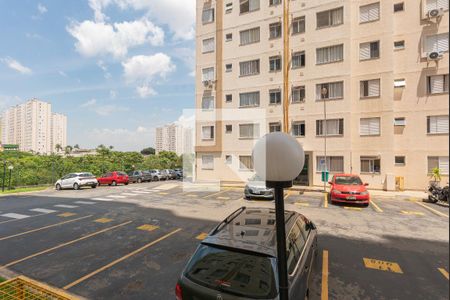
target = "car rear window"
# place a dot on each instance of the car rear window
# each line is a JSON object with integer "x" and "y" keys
{"x": 348, "y": 180}
{"x": 86, "y": 175}
{"x": 237, "y": 273}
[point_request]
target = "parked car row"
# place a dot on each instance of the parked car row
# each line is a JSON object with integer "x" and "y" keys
{"x": 78, "y": 180}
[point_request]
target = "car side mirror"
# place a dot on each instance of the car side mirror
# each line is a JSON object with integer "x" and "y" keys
{"x": 366, "y": 184}
{"x": 329, "y": 182}
{"x": 310, "y": 226}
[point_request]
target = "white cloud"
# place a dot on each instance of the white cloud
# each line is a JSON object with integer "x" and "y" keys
{"x": 41, "y": 8}
{"x": 103, "y": 110}
{"x": 143, "y": 70}
{"x": 122, "y": 139}
{"x": 101, "y": 64}
{"x": 179, "y": 15}
{"x": 15, "y": 65}
{"x": 112, "y": 94}
{"x": 187, "y": 55}
{"x": 62, "y": 73}
{"x": 98, "y": 38}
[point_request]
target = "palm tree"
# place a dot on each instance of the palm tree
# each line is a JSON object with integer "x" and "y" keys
{"x": 58, "y": 147}
{"x": 76, "y": 146}
{"x": 68, "y": 149}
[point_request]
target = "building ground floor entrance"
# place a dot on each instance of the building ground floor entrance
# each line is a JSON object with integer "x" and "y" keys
{"x": 304, "y": 178}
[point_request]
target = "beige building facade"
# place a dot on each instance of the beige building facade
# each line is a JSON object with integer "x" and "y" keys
{"x": 377, "y": 71}
{"x": 34, "y": 127}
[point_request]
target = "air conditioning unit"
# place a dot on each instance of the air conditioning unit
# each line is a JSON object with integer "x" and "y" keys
{"x": 435, "y": 13}
{"x": 434, "y": 55}
{"x": 207, "y": 83}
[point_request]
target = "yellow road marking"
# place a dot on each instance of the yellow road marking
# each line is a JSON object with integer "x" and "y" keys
{"x": 325, "y": 202}
{"x": 191, "y": 195}
{"x": 147, "y": 227}
{"x": 302, "y": 204}
{"x": 42, "y": 228}
{"x": 413, "y": 199}
{"x": 412, "y": 213}
{"x": 78, "y": 281}
{"x": 375, "y": 206}
{"x": 352, "y": 208}
{"x": 63, "y": 245}
{"x": 215, "y": 194}
{"x": 444, "y": 272}
{"x": 223, "y": 198}
{"x": 67, "y": 214}
{"x": 381, "y": 265}
{"x": 163, "y": 193}
{"x": 103, "y": 220}
{"x": 202, "y": 236}
{"x": 324, "y": 295}
{"x": 436, "y": 212}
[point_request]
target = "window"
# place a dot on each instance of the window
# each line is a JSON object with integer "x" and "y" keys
{"x": 298, "y": 59}
{"x": 275, "y": 127}
{"x": 399, "y": 7}
{"x": 250, "y": 36}
{"x": 334, "y": 127}
{"x": 437, "y": 84}
{"x": 228, "y": 159}
{"x": 208, "y": 74}
{"x": 330, "y": 54}
{"x": 298, "y": 94}
{"x": 248, "y": 6}
{"x": 436, "y": 4}
{"x": 298, "y": 128}
{"x": 400, "y": 160}
{"x": 369, "y": 13}
{"x": 399, "y": 83}
{"x": 329, "y": 91}
{"x": 437, "y": 124}
{"x": 440, "y": 162}
{"x": 400, "y": 122}
{"x": 275, "y": 30}
{"x": 249, "y": 67}
{"x": 370, "y": 165}
{"x": 399, "y": 45}
{"x": 294, "y": 247}
{"x": 369, "y": 50}
{"x": 299, "y": 25}
{"x": 249, "y": 99}
{"x": 228, "y": 98}
{"x": 437, "y": 43}
{"x": 248, "y": 131}
{"x": 245, "y": 162}
{"x": 228, "y": 67}
{"x": 208, "y": 45}
{"x": 208, "y": 15}
{"x": 329, "y": 18}
{"x": 369, "y": 126}
{"x": 207, "y": 162}
{"x": 370, "y": 88}
{"x": 228, "y": 7}
{"x": 334, "y": 164}
{"x": 274, "y": 2}
{"x": 207, "y": 132}
{"x": 208, "y": 103}
{"x": 275, "y": 96}
{"x": 228, "y": 37}
{"x": 275, "y": 63}
{"x": 228, "y": 128}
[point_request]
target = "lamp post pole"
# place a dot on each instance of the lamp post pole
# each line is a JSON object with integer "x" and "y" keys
{"x": 324, "y": 92}
{"x": 10, "y": 173}
{"x": 4, "y": 175}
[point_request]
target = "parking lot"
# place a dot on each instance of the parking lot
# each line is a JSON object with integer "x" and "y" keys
{"x": 131, "y": 242}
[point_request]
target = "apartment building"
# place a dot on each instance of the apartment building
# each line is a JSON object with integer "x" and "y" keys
{"x": 33, "y": 127}
{"x": 175, "y": 138}
{"x": 368, "y": 78}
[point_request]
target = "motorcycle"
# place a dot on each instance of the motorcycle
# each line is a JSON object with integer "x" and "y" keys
{"x": 437, "y": 193}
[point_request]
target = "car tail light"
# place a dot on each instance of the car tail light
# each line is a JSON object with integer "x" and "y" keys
{"x": 178, "y": 292}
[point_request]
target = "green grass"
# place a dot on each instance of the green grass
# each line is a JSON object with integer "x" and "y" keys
{"x": 24, "y": 189}
{"x": 2, "y": 279}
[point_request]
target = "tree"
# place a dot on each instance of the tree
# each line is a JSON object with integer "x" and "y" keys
{"x": 76, "y": 146}
{"x": 58, "y": 147}
{"x": 148, "y": 151}
{"x": 68, "y": 149}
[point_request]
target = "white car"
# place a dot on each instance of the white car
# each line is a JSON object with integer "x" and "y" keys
{"x": 76, "y": 181}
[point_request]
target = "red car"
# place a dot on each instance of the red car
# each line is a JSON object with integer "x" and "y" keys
{"x": 113, "y": 178}
{"x": 348, "y": 188}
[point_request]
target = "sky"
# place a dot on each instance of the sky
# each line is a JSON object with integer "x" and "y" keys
{"x": 116, "y": 68}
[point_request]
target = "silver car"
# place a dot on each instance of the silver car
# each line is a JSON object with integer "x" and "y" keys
{"x": 256, "y": 188}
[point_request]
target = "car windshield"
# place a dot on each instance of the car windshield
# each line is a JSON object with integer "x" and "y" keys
{"x": 255, "y": 178}
{"x": 348, "y": 180}
{"x": 241, "y": 274}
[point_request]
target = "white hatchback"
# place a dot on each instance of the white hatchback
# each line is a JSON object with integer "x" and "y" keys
{"x": 76, "y": 181}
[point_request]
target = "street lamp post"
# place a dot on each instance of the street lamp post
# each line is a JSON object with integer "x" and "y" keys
{"x": 11, "y": 167}
{"x": 324, "y": 92}
{"x": 278, "y": 159}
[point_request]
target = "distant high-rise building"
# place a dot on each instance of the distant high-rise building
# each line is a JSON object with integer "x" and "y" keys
{"x": 174, "y": 138}
{"x": 33, "y": 127}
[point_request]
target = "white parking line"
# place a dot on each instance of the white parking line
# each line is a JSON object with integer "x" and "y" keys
{"x": 165, "y": 187}
{"x": 84, "y": 202}
{"x": 141, "y": 192}
{"x": 43, "y": 210}
{"x": 101, "y": 199}
{"x": 116, "y": 197}
{"x": 15, "y": 216}
{"x": 129, "y": 194}
{"x": 65, "y": 206}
